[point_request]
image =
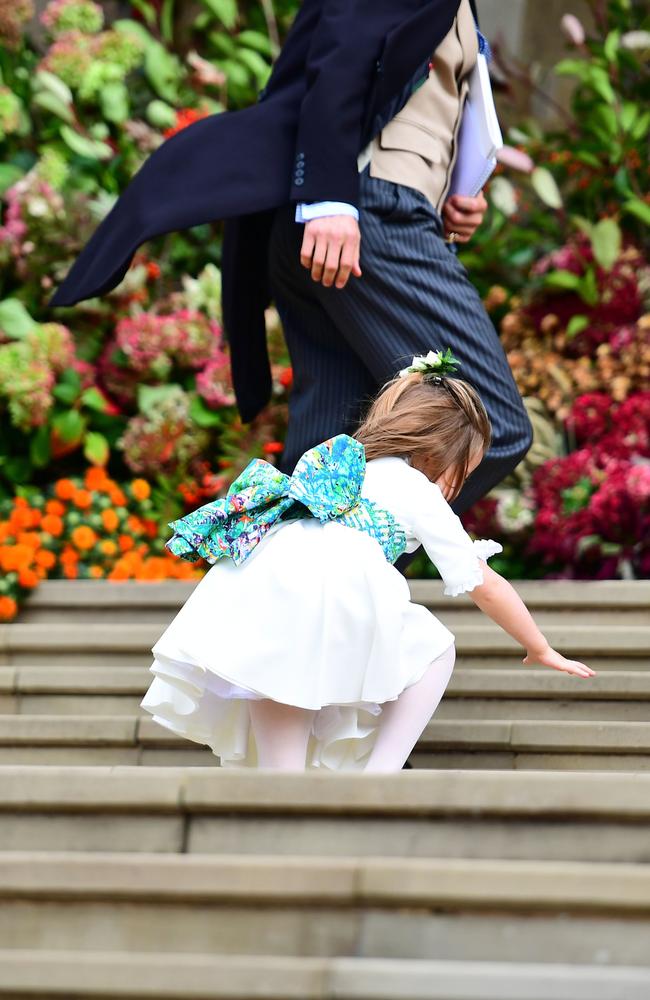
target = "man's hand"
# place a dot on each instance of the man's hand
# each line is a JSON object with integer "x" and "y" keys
{"x": 463, "y": 216}
{"x": 330, "y": 249}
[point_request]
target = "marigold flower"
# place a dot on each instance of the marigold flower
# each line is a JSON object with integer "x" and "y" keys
{"x": 27, "y": 578}
{"x": 8, "y": 608}
{"x": 116, "y": 496}
{"x": 45, "y": 559}
{"x": 55, "y": 507}
{"x": 110, "y": 520}
{"x": 82, "y": 499}
{"x": 16, "y": 557}
{"x": 84, "y": 537}
{"x": 96, "y": 478}
{"x": 52, "y": 524}
{"x": 95, "y": 572}
{"x": 141, "y": 489}
{"x": 30, "y": 538}
{"x": 108, "y": 547}
{"x": 273, "y": 448}
{"x": 65, "y": 489}
{"x": 70, "y": 571}
{"x": 126, "y": 543}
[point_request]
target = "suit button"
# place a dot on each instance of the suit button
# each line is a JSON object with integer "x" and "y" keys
{"x": 299, "y": 181}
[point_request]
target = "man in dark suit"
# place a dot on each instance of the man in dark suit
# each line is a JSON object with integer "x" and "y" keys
{"x": 366, "y": 280}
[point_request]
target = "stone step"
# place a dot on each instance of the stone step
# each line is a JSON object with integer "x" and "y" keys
{"x": 103, "y": 644}
{"x": 116, "y": 976}
{"x": 484, "y": 743}
{"x": 128, "y": 601}
{"x": 480, "y": 693}
{"x": 373, "y": 907}
{"x": 535, "y": 815}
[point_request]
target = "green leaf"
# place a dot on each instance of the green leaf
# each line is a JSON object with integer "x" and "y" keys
{"x": 546, "y": 187}
{"x": 93, "y": 149}
{"x": 163, "y": 70}
{"x": 15, "y": 321}
{"x": 606, "y": 242}
{"x": 588, "y": 288}
{"x": 563, "y": 279}
{"x": 611, "y": 45}
{"x": 601, "y": 83}
{"x": 224, "y": 10}
{"x": 576, "y": 324}
{"x": 94, "y": 400}
{"x": 50, "y": 102}
{"x": 39, "y": 447}
{"x": 115, "y": 101}
{"x": 202, "y": 415}
{"x": 629, "y": 115}
{"x": 572, "y": 67}
{"x": 256, "y": 40}
{"x": 641, "y": 126}
{"x": 128, "y": 26}
{"x": 160, "y": 114}
{"x": 634, "y": 206}
{"x": 65, "y": 394}
{"x": 96, "y": 448}
{"x": 503, "y": 196}
{"x": 254, "y": 62}
{"x": 589, "y": 158}
{"x": 151, "y": 396}
{"x": 53, "y": 84}
{"x": 9, "y": 174}
{"x": 69, "y": 426}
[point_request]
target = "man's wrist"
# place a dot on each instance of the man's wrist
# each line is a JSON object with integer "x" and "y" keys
{"x": 305, "y": 212}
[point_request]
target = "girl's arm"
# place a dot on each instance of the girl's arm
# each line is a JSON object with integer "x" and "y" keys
{"x": 501, "y": 602}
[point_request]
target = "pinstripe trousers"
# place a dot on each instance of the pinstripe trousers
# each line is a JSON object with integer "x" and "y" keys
{"x": 414, "y": 296}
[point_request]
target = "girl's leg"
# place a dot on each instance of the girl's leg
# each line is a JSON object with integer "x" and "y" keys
{"x": 281, "y": 733}
{"x": 402, "y": 721}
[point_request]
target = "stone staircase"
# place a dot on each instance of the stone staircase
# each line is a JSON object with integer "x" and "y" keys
{"x": 512, "y": 863}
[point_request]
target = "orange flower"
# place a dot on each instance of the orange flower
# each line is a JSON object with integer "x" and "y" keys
{"x": 45, "y": 559}
{"x": 116, "y": 495}
{"x": 8, "y": 609}
{"x": 55, "y": 507}
{"x": 16, "y": 557}
{"x": 28, "y": 578}
{"x": 20, "y": 502}
{"x": 96, "y": 478}
{"x": 82, "y": 499}
{"x": 83, "y": 537}
{"x": 70, "y": 571}
{"x": 31, "y": 539}
{"x": 140, "y": 489}
{"x": 65, "y": 489}
{"x": 20, "y": 518}
{"x": 134, "y": 524}
{"x": 110, "y": 520}
{"x": 5, "y": 530}
{"x": 96, "y": 572}
{"x": 108, "y": 547}
{"x": 52, "y": 524}
{"x": 126, "y": 543}
{"x": 150, "y": 527}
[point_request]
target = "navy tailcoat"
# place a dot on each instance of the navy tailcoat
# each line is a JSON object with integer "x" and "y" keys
{"x": 347, "y": 67}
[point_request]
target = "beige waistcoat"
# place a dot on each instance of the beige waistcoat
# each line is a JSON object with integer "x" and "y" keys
{"x": 418, "y": 146}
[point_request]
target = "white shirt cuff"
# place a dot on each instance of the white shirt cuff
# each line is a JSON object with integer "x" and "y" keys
{"x": 319, "y": 209}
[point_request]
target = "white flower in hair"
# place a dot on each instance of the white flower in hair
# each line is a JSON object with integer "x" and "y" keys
{"x": 433, "y": 362}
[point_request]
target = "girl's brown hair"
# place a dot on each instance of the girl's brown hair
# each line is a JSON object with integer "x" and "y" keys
{"x": 443, "y": 423}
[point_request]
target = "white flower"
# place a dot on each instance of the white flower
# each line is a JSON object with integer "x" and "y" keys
{"x": 422, "y": 363}
{"x": 573, "y": 29}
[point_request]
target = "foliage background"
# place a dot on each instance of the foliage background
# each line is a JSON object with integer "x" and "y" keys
{"x": 137, "y": 382}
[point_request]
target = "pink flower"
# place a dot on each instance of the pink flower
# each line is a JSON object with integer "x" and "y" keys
{"x": 573, "y": 29}
{"x": 515, "y": 158}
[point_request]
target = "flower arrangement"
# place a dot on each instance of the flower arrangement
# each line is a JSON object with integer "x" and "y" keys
{"x": 82, "y": 528}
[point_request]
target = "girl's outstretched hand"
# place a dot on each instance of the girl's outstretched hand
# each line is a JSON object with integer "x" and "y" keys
{"x": 550, "y": 657}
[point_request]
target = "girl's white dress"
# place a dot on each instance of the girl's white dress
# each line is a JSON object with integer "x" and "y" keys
{"x": 316, "y": 617}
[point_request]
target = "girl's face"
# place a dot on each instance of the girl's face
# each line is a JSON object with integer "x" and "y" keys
{"x": 446, "y": 480}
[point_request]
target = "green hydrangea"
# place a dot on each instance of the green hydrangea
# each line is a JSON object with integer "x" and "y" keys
{"x": 73, "y": 15}
{"x": 26, "y": 381}
{"x": 10, "y": 112}
{"x": 120, "y": 48}
{"x": 53, "y": 167}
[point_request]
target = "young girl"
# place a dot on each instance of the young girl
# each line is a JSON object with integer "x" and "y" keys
{"x": 301, "y": 647}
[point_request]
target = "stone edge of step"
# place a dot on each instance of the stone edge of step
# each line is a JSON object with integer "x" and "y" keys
{"x": 233, "y": 977}
{"x": 168, "y": 594}
{"x": 147, "y": 789}
{"x": 349, "y": 882}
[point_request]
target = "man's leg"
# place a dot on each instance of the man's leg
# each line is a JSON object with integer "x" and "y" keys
{"x": 329, "y": 381}
{"x": 415, "y": 295}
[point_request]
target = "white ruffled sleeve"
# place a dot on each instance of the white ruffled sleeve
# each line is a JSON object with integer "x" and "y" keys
{"x": 451, "y": 550}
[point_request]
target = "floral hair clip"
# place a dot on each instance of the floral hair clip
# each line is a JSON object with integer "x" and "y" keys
{"x": 433, "y": 366}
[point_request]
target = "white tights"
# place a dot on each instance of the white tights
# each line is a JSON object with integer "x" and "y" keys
{"x": 282, "y": 731}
